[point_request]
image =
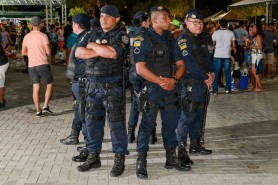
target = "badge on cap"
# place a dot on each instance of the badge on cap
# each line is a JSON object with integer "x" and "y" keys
{"x": 193, "y": 16}
{"x": 160, "y": 8}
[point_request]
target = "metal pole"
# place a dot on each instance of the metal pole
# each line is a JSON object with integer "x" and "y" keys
{"x": 266, "y": 10}
{"x": 194, "y": 4}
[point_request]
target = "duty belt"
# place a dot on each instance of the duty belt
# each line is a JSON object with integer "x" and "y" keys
{"x": 103, "y": 85}
{"x": 191, "y": 81}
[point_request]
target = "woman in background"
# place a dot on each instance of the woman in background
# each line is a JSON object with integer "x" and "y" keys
{"x": 4, "y": 64}
{"x": 257, "y": 56}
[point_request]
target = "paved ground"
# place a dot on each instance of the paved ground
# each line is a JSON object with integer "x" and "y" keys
{"x": 242, "y": 131}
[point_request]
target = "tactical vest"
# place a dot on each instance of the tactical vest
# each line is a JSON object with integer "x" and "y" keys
{"x": 160, "y": 58}
{"x": 105, "y": 67}
{"x": 199, "y": 50}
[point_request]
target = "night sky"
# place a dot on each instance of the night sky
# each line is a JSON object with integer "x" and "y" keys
{"x": 213, "y": 5}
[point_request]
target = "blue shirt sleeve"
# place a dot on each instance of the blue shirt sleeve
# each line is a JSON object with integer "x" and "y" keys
{"x": 185, "y": 49}
{"x": 141, "y": 48}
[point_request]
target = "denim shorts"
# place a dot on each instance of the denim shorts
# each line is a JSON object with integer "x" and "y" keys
{"x": 41, "y": 72}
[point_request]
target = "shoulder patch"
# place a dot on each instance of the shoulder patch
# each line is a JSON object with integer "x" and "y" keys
{"x": 125, "y": 39}
{"x": 137, "y": 43}
{"x": 138, "y": 38}
{"x": 184, "y": 53}
{"x": 183, "y": 46}
{"x": 181, "y": 41}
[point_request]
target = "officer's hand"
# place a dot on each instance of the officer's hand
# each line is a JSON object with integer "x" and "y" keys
{"x": 208, "y": 85}
{"x": 169, "y": 83}
{"x": 90, "y": 45}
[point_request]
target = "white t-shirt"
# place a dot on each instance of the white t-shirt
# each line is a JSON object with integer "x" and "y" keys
{"x": 223, "y": 39}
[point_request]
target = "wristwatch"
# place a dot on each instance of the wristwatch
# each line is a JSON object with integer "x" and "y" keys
{"x": 176, "y": 80}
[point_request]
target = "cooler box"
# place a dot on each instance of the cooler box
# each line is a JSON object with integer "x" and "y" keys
{"x": 243, "y": 82}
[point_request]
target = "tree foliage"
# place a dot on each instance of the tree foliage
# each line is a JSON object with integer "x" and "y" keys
{"x": 76, "y": 10}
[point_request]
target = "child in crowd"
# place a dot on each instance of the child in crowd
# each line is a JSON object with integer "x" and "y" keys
{"x": 236, "y": 60}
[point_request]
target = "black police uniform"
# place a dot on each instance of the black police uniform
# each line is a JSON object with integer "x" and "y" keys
{"x": 194, "y": 51}
{"x": 157, "y": 51}
{"x": 105, "y": 97}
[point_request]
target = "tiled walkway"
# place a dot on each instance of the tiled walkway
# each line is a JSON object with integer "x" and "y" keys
{"x": 242, "y": 131}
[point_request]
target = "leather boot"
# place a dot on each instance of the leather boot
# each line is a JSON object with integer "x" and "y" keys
{"x": 83, "y": 155}
{"x": 197, "y": 148}
{"x": 93, "y": 161}
{"x": 183, "y": 155}
{"x": 131, "y": 134}
{"x": 72, "y": 139}
{"x": 173, "y": 162}
{"x": 141, "y": 165}
{"x": 153, "y": 138}
{"x": 119, "y": 165}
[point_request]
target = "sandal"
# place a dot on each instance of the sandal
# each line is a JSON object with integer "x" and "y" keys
{"x": 251, "y": 89}
{"x": 257, "y": 90}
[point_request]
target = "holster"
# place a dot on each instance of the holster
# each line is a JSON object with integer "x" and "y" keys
{"x": 188, "y": 105}
{"x": 82, "y": 95}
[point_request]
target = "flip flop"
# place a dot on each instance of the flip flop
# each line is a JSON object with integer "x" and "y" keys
{"x": 251, "y": 89}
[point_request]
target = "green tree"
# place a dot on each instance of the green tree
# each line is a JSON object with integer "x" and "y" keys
{"x": 76, "y": 10}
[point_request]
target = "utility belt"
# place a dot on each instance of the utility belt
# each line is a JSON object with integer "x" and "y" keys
{"x": 186, "y": 81}
{"x": 106, "y": 85}
{"x": 148, "y": 106}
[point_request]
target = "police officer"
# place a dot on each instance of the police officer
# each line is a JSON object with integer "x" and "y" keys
{"x": 155, "y": 62}
{"x": 105, "y": 53}
{"x": 141, "y": 22}
{"x": 196, "y": 81}
{"x": 80, "y": 26}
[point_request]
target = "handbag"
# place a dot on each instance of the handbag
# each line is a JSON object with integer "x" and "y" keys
{"x": 3, "y": 57}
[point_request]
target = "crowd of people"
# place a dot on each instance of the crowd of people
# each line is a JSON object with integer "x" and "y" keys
{"x": 172, "y": 68}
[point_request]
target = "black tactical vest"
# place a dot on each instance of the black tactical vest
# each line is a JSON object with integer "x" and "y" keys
{"x": 199, "y": 50}
{"x": 105, "y": 67}
{"x": 131, "y": 54}
{"x": 160, "y": 58}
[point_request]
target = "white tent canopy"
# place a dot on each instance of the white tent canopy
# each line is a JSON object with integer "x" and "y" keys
{"x": 248, "y": 3}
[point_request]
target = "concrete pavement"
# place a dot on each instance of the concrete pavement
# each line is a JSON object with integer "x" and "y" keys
{"x": 242, "y": 131}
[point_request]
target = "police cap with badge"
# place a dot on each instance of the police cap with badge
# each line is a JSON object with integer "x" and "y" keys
{"x": 159, "y": 8}
{"x": 194, "y": 14}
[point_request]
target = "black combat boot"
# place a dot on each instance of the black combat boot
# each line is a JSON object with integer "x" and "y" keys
{"x": 72, "y": 139}
{"x": 119, "y": 165}
{"x": 153, "y": 138}
{"x": 83, "y": 155}
{"x": 93, "y": 161}
{"x": 131, "y": 134}
{"x": 197, "y": 148}
{"x": 141, "y": 165}
{"x": 173, "y": 162}
{"x": 183, "y": 155}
